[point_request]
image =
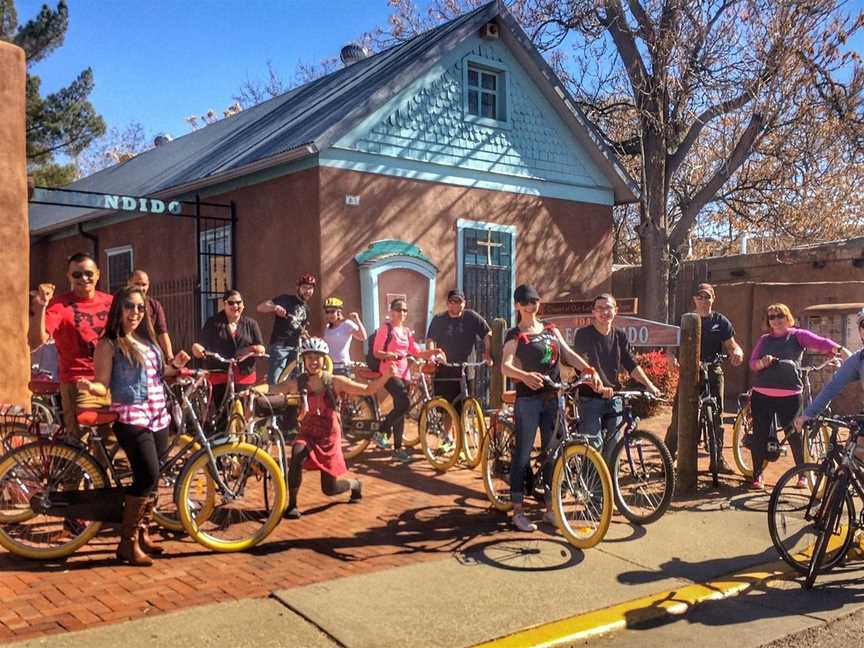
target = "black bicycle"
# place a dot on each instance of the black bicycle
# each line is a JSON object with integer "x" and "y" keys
{"x": 710, "y": 411}
{"x": 813, "y": 528}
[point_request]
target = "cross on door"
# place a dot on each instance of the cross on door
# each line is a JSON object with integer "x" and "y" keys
{"x": 488, "y": 244}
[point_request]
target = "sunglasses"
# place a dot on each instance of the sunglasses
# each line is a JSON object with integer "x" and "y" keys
{"x": 234, "y": 302}
{"x": 529, "y": 301}
{"x": 399, "y": 310}
{"x": 776, "y": 316}
{"x": 133, "y": 307}
{"x": 455, "y": 301}
{"x": 78, "y": 274}
{"x": 702, "y": 296}
{"x": 330, "y": 311}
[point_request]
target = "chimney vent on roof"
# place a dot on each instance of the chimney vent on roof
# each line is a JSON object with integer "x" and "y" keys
{"x": 161, "y": 138}
{"x": 489, "y": 31}
{"x": 352, "y": 53}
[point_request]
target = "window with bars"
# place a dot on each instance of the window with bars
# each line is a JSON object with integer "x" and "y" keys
{"x": 119, "y": 267}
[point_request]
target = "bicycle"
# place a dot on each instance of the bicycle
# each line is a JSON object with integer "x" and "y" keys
{"x": 580, "y": 494}
{"x": 470, "y": 425}
{"x": 710, "y": 409}
{"x": 641, "y": 467}
{"x": 815, "y": 442}
{"x": 813, "y": 530}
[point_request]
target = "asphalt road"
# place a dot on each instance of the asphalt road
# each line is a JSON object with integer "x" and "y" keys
{"x": 846, "y": 631}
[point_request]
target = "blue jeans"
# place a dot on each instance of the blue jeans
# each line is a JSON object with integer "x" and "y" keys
{"x": 591, "y": 413}
{"x": 280, "y": 356}
{"x": 530, "y": 412}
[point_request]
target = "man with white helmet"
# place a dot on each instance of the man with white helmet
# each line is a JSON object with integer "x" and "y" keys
{"x": 318, "y": 445}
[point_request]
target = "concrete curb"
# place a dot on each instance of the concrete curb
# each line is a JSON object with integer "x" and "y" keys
{"x": 642, "y": 610}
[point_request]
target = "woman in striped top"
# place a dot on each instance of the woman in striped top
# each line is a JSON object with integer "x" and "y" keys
{"x": 129, "y": 362}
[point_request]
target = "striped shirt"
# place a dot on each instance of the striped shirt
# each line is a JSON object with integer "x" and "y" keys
{"x": 152, "y": 413}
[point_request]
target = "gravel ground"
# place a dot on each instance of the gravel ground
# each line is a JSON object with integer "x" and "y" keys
{"x": 847, "y": 631}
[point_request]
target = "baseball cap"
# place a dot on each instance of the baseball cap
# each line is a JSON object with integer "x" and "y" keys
{"x": 706, "y": 288}
{"x": 525, "y": 293}
{"x": 456, "y": 294}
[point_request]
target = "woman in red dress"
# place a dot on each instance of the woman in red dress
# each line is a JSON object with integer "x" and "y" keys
{"x": 319, "y": 443}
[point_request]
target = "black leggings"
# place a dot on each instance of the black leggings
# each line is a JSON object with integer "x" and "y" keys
{"x": 330, "y": 485}
{"x": 143, "y": 448}
{"x": 763, "y": 408}
{"x": 395, "y": 420}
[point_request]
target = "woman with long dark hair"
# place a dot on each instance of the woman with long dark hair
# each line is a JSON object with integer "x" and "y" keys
{"x": 129, "y": 368}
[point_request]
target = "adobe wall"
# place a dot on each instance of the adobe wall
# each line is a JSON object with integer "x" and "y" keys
{"x": 14, "y": 299}
{"x": 563, "y": 248}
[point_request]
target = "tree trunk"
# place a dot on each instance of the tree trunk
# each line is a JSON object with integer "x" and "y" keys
{"x": 653, "y": 234}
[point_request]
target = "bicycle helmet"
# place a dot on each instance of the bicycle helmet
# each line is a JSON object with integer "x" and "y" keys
{"x": 313, "y": 345}
{"x": 332, "y": 302}
{"x": 307, "y": 279}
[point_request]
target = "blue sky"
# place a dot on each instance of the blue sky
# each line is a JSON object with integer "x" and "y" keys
{"x": 155, "y": 62}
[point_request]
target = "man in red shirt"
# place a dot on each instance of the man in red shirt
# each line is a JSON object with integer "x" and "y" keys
{"x": 76, "y": 320}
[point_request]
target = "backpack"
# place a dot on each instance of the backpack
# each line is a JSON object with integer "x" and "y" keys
{"x": 372, "y": 362}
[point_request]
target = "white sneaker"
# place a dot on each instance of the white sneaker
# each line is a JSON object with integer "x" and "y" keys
{"x": 523, "y": 523}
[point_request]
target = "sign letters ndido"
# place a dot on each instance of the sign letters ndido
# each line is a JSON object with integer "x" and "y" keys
{"x": 146, "y": 205}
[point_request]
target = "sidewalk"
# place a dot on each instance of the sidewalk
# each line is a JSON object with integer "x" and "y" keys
{"x": 422, "y": 559}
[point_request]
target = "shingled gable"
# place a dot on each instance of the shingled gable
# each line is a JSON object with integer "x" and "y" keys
{"x": 312, "y": 117}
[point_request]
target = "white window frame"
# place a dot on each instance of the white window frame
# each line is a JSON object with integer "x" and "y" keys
{"x": 502, "y": 92}
{"x": 117, "y": 251}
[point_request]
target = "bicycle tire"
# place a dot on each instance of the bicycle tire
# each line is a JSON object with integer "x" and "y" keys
{"x": 45, "y": 457}
{"x": 236, "y": 462}
{"x": 588, "y": 481}
{"x": 815, "y": 444}
{"x": 472, "y": 427}
{"x": 411, "y": 433}
{"x": 826, "y": 522}
{"x": 792, "y": 534}
{"x": 355, "y": 438}
{"x": 165, "y": 512}
{"x": 496, "y": 455}
{"x": 646, "y": 465}
{"x": 741, "y": 430}
{"x": 433, "y": 428}
{"x": 709, "y": 434}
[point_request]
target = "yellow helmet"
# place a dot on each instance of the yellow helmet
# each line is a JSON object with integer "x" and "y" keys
{"x": 333, "y": 302}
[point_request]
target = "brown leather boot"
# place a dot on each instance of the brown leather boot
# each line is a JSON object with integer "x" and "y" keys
{"x": 128, "y": 550}
{"x": 144, "y": 540}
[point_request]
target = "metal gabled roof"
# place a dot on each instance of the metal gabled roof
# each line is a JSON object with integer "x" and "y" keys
{"x": 309, "y": 119}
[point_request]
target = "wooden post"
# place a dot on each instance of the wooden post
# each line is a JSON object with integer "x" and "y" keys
{"x": 496, "y": 379}
{"x": 688, "y": 402}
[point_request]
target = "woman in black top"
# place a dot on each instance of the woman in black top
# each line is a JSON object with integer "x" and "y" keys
{"x": 229, "y": 333}
{"x": 532, "y": 352}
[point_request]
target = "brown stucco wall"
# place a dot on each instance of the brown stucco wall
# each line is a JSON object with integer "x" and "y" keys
{"x": 562, "y": 247}
{"x": 13, "y": 228}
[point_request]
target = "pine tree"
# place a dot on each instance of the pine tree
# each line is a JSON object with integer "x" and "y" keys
{"x": 63, "y": 122}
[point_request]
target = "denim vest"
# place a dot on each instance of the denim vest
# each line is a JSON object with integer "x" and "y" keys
{"x": 128, "y": 380}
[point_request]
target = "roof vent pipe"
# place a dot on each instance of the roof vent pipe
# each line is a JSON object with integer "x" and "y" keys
{"x": 352, "y": 53}
{"x": 161, "y": 138}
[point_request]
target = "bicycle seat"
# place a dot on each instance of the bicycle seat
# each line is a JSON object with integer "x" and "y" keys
{"x": 44, "y": 386}
{"x": 364, "y": 373}
{"x": 273, "y": 404}
{"x": 508, "y": 397}
{"x": 91, "y": 417}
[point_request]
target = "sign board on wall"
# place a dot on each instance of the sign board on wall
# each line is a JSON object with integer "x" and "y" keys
{"x": 640, "y": 332}
{"x": 626, "y": 306}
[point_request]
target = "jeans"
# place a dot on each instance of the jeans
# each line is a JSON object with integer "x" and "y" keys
{"x": 531, "y": 412}
{"x": 281, "y": 356}
{"x": 591, "y": 413}
{"x": 142, "y": 447}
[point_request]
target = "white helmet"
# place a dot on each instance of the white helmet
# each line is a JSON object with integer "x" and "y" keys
{"x": 313, "y": 345}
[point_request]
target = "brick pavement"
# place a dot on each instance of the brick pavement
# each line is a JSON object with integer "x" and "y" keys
{"x": 408, "y": 514}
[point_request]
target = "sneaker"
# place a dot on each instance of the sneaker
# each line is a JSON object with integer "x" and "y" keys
{"x": 801, "y": 482}
{"x": 401, "y": 455}
{"x": 381, "y": 441}
{"x": 523, "y": 523}
{"x": 356, "y": 492}
{"x": 445, "y": 448}
{"x": 757, "y": 484}
{"x": 292, "y": 514}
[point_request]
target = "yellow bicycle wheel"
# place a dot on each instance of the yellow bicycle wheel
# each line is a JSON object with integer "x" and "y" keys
{"x": 29, "y": 471}
{"x": 581, "y": 495}
{"x": 496, "y": 455}
{"x": 165, "y": 513}
{"x": 473, "y": 430}
{"x": 440, "y": 436}
{"x": 358, "y": 416}
{"x": 742, "y": 432}
{"x": 242, "y": 517}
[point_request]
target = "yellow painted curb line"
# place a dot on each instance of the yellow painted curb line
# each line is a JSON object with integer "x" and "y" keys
{"x": 641, "y": 610}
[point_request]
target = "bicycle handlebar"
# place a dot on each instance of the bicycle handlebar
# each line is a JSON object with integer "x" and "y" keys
{"x": 584, "y": 379}
{"x": 831, "y": 362}
{"x": 212, "y": 355}
{"x": 627, "y": 394}
{"x": 463, "y": 365}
